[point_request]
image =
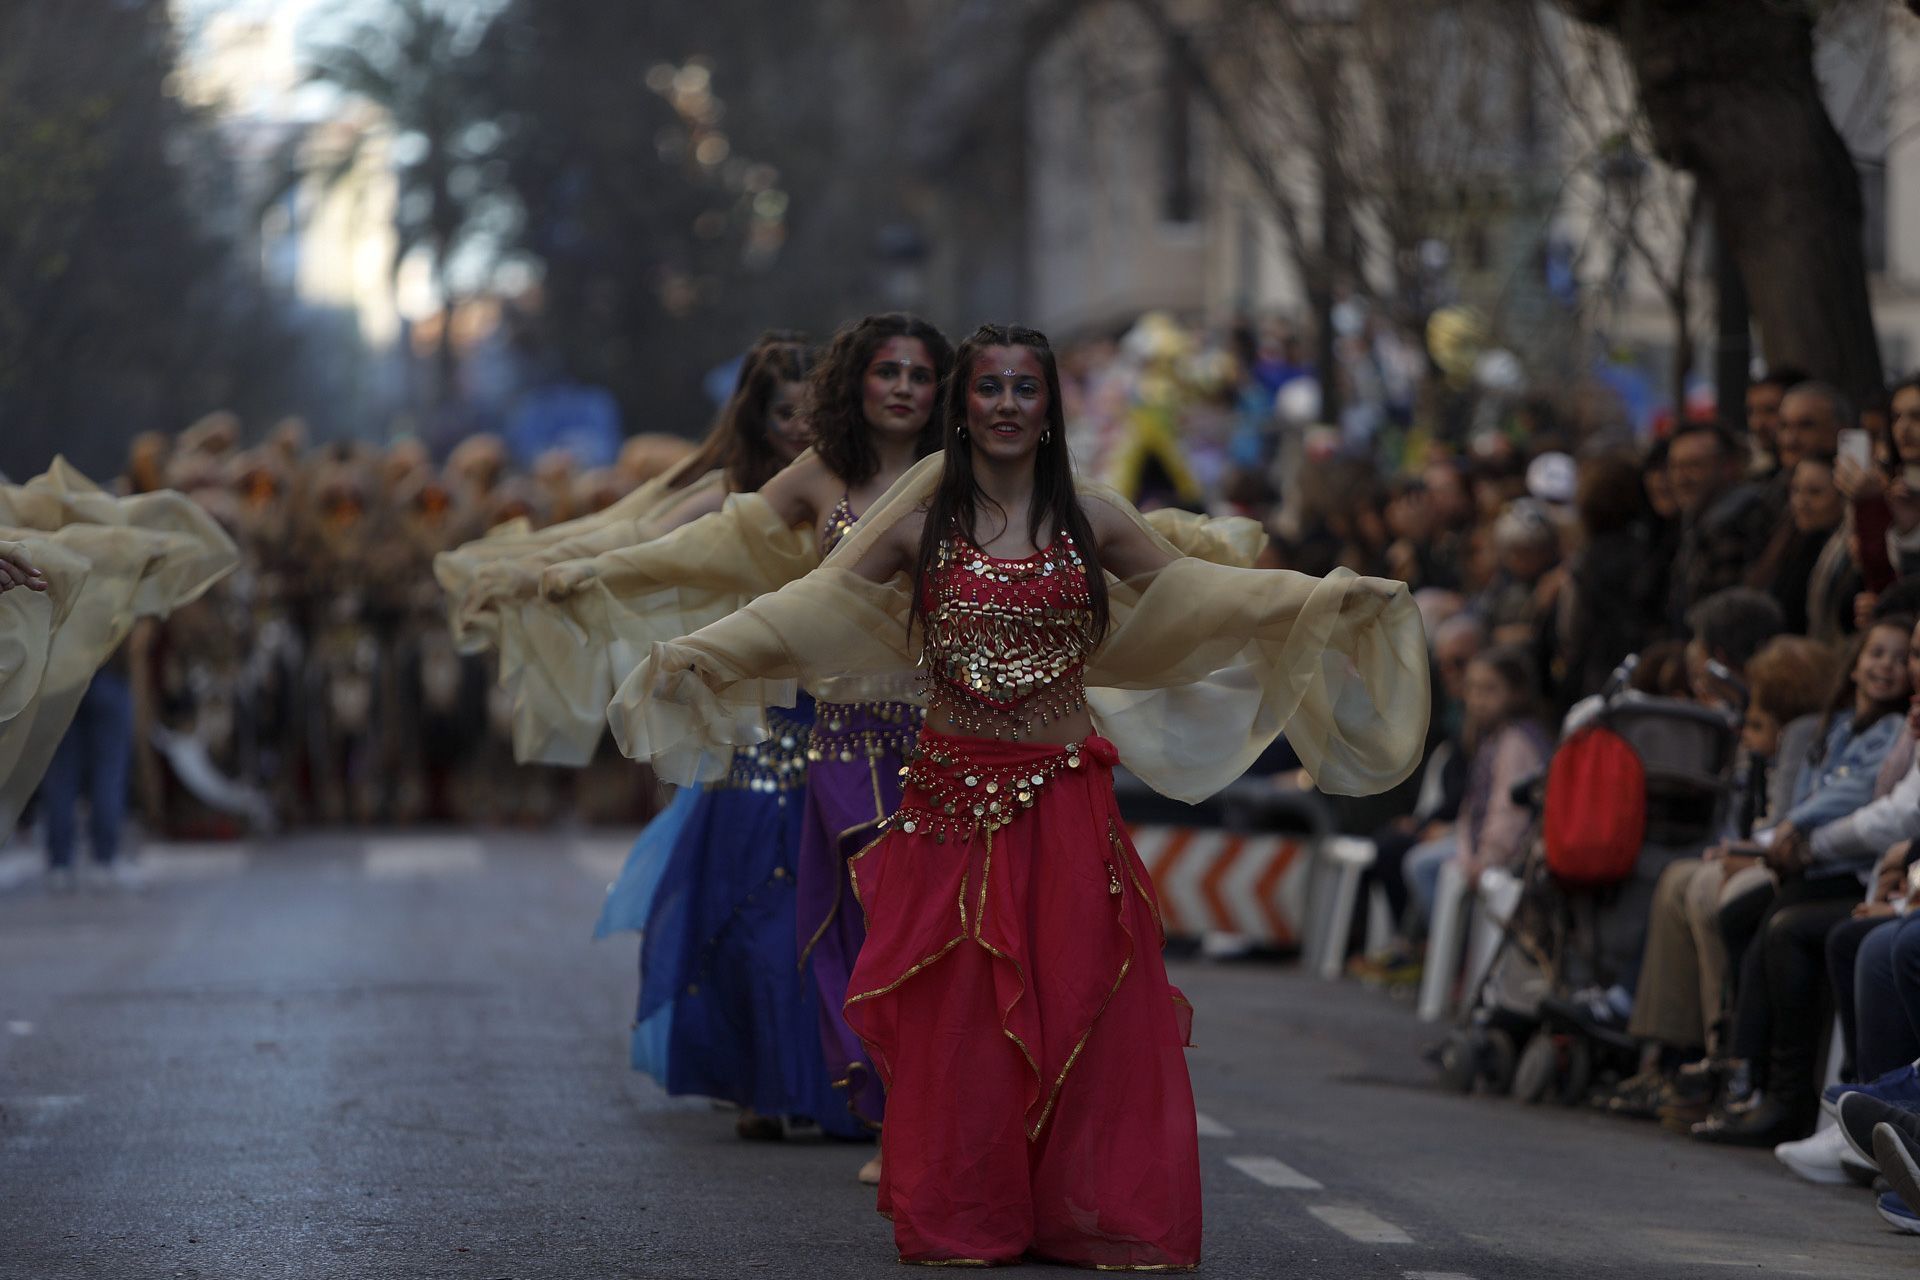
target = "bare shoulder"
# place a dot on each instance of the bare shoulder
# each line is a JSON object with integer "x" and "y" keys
{"x": 897, "y": 548}
{"x": 1106, "y": 520}
{"x": 1124, "y": 547}
{"x": 800, "y": 491}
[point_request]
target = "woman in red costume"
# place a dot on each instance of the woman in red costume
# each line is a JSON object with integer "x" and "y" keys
{"x": 1011, "y": 989}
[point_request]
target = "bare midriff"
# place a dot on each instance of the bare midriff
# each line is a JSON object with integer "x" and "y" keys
{"x": 1007, "y": 643}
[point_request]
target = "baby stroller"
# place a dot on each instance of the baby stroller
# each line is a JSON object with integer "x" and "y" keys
{"x": 1637, "y": 783}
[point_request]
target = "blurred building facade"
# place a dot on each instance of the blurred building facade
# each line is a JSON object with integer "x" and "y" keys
{"x": 315, "y": 200}
{"x": 1867, "y": 58}
{"x": 1115, "y": 172}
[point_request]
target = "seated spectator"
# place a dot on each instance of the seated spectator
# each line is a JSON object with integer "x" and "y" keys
{"x": 1724, "y": 525}
{"x": 1683, "y": 972}
{"x": 1874, "y": 966}
{"x": 1777, "y": 1030}
{"x": 1604, "y": 613}
{"x": 1526, "y": 547}
{"x": 1727, "y": 628}
{"x": 1903, "y": 492}
{"x": 1505, "y": 743}
{"x": 1456, "y": 643}
{"x": 1662, "y": 671}
{"x": 1804, "y": 565}
{"x": 1885, "y": 502}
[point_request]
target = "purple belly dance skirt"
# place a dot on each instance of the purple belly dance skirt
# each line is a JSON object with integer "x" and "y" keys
{"x": 853, "y": 783}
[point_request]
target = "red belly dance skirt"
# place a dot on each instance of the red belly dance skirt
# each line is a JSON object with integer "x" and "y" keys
{"x": 1013, "y": 997}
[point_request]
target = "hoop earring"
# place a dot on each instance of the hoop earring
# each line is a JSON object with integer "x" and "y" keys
{"x": 963, "y": 431}
{"x": 1046, "y": 437}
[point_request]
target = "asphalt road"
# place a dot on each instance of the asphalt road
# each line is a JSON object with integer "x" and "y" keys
{"x": 342, "y": 1057}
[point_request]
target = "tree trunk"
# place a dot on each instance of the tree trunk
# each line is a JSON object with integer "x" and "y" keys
{"x": 1729, "y": 89}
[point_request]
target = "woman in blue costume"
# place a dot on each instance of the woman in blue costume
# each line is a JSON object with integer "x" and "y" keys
{"x": 722, "y": 1012}
{"x": 871, "y": 412}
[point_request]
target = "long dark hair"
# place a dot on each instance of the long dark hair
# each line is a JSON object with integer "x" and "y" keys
{"x": 738, "y": 442}
{"x": 1841, "y": 703}
{"x": 958, "y": 498}
{"x": 841, "y": 435}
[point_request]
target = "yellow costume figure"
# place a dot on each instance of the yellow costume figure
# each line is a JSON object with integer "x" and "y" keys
{"x": 108, "y": 561}
{"x": 1150, "y": 424}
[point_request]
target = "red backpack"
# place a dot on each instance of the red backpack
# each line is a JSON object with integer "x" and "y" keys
{"x": 1596, "y": 808}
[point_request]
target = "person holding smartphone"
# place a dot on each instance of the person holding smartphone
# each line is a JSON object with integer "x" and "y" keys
{"x": 1885, "y": 500}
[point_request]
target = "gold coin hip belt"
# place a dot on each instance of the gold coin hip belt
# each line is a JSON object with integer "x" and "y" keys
{"x": 950, "y": 797}
{"x": 844, "y": 732}
{"x": 777, "y": 765}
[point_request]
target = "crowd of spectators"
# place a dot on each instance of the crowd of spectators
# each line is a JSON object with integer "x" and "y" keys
{"x": 1768, "y": 569}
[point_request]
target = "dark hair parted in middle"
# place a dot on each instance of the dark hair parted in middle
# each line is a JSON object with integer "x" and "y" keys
{"x": 958, "y": 499}
{"x": 738, "y": 442}
{"x": 835, "y": 391}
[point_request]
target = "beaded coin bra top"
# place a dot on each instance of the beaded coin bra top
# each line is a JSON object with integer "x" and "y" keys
{"x": 840, "y": 522}
{"x": 1007, "y": 641}
{"x": 847, "y": 732}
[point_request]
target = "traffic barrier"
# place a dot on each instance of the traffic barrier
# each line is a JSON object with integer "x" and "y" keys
{"x": 1214, "y": 881}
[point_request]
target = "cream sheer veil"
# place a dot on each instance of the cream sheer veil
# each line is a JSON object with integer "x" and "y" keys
{"x": 476, "y": 623}
{"x": 557, "y": 675}
{"x": 108, "y": 561}
{"x": 1204, "y": 665}
{"x": 561, "y": 661}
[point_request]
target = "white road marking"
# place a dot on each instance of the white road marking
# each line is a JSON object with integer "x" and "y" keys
{"x": 421, "y": 856}
{"x": 1435, "y": 1275}
{"x": 601, "y": 857}
{"x": 1274, "y": 1173}
{"x": 193, "y": 861}
{"x": 1209, "y": 1127}
{"x": 1359, "y": 1225}
{"x": 28, "y": 1113}
{"x": 20, "y": 1028}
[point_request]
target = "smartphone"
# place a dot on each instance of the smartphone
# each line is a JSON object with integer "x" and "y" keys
{"x": 1856, "y": 445}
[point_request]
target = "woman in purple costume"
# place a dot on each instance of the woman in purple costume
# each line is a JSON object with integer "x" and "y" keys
{"x": 871, "y": 405}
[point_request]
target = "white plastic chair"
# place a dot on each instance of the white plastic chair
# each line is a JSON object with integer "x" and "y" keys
{"x": 1446, "y": 939}
{"x": 1349, "y": 857}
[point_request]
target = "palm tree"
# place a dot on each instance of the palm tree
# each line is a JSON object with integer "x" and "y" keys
{"x": 418, "y": 65}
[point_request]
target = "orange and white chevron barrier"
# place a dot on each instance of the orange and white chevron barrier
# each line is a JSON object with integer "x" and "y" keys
{"x": 1211, "y": 881}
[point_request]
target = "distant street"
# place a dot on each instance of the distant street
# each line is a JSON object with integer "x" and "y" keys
{"x": 341, "y": 1056}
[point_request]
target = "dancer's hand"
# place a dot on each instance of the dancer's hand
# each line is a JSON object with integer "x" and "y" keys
{"x": 17, "y": 571}
{"x": 566, "y": 579}
{"x": 504, "y": 580}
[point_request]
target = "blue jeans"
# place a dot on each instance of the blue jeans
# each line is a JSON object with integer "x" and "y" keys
{"x": 1886, "y": 993}
{"x": 96, "y": 752}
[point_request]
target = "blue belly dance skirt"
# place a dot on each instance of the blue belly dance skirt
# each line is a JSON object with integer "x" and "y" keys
{"x": 724, "y": 1010}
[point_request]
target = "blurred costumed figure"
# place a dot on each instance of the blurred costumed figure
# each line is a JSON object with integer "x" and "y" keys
{"x": 1138, "y": 414}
